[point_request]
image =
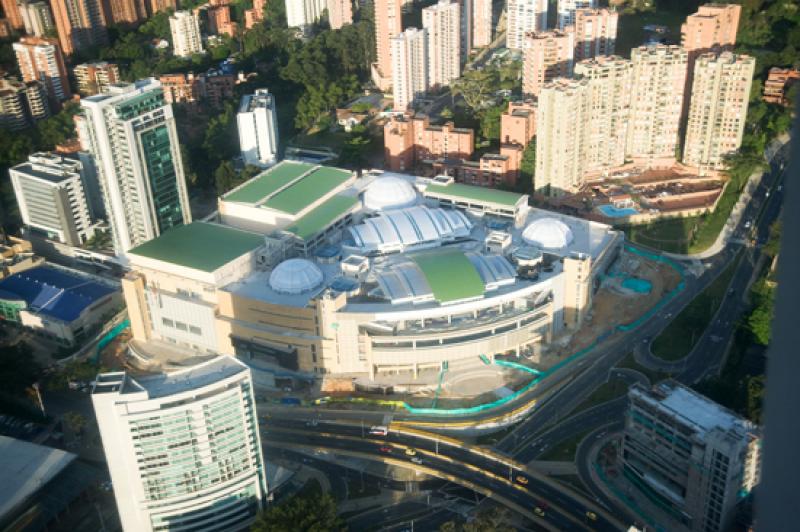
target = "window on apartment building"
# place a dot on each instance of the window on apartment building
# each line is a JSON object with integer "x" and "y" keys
{"x": 167, "y": 322}
{"x": 195, "y": 330}
{"x": 180, "y": 326}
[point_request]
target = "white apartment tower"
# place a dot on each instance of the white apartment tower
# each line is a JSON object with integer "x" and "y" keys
{"x": 561, "y": 137}
{"x": 595, "y": 33}
{"x": 409, "y": 67}
{"x": 186, "y": 38}
{"x": 522, "y": 17}
{"x": 609, "y": 100}
{"x": 443, "y": 26}
{"x": 303, "y": 14}
{"x": 657, "y": 84}
{"x": 51, "y": 195}
{"x": 566, "y": 11}
{"x": 481, "y": 23}
{"x": 694, "y": 457}
{"x": 718, "y": 108}
{"x": 183, "y": 448}
{"x": 131, "y": 134}
{"x": 258, "y": 128}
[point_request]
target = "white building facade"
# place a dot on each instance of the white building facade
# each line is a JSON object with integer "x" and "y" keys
{"x": 186, "y": 38}
{"x": 303, "y": 14}
{"x": 566, "y": 11}
{"x": 524, "y": 16}
{"x": 131, "y": 134}
{"x": 258, "y": 128}
{"x": 718, "y": 108}
{"x": 51, "y": 197}
{"x": 443, "y": 25}
{"x": 409, "y": 67}
{"x": 183, "y": 449}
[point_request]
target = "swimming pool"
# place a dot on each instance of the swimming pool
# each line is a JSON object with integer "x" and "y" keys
{"x": 613, "y": 212}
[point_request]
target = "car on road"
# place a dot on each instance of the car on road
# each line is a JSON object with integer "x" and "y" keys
{"x": 538, "y": 511}
{"x": 591, "y": 516}
{"x": 522, "y": 480}
{"x": 417, "y": 460}
{"x": 378, "y": 430}
{"x": 385, "y": 449}
{"x": 411, "y": 452}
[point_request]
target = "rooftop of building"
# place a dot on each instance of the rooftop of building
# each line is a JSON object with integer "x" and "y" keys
{"x": 193, "y": 378}
{"x": 26, "y": 468}
{"x": 54, "y": 292}
{"x": 289, "y": 186}
{"x": 200, "y": 246}
{"x": 250, "y": 102}
{"x": 59, "y": 168}
{"x": 467, "y": 192}
{"x": 693, "y": 408}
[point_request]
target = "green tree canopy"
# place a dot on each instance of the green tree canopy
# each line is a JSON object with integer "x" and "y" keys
{"x": 310, "y": 511}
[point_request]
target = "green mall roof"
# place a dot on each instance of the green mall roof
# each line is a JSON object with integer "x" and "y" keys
{"x": 322, "y": 216}
{"x": 307, "y": 190}
{"x": 200, "y": 246}
{"x": 450, "y": 274}
{"x": 268, "y": 182}
{"x": 470, "y": 192}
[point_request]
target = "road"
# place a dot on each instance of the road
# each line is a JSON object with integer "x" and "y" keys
{"x": 509, "y": 483}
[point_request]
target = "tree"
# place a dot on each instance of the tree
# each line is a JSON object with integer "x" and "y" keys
{"x": 527, "y": 166}
{"x": 18, "y": 369}
{"x": 495, "y": 519}
{"x": 225, "y": 177}
{"x": 475, "y": 86}
{"x": 307, "y": 512}
{"x": 490, "y": 121}
{"x": 755, "y": 397}
{"x": 75, "y": 421}
{"x": 773, "y": 245}
{"x": 354, "y": 150}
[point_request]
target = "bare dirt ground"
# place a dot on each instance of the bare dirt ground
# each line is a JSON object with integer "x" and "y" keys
{"x": 611, "y": 307}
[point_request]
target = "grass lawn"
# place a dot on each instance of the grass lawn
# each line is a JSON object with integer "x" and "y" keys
{"x": 673, "y": 235}
{"x": 679, "y": 337}
{"x": 564, "y": 451}
{"x": 629, "y": 362}
{"x": 603, "y": 393}
{"x": 321, "y": 139}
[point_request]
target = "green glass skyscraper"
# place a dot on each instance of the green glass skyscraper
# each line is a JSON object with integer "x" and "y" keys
{"x": 131, "y": 133}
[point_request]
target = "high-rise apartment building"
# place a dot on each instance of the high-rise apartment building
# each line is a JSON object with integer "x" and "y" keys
{"x": 718, "y": 108}
{"x": 566, "y": 11}
{"x": 609, "y": 100}
{"x": 442, "y": 23}
{"x": 51, "y": 195}
{"x": 186, "y": 38}
{"x": 548, "y": 55}
{"x": 303, "y": 14}
{"x": 131, "y": 133}
{"x": 693, "y": 457}
{"x": 219, "y": 20}
{"x": 21, "y": 104}
{"x": 81, "y": 24}
{"x": 657, "y": 84}
{"x": 713, "y": 27}
{"x": 595, "y": 33}
{"x": 258, "y": 128}
{"x": 125, "y": 11}
{"x": 157, "y": 6}
{"x": 13, "y": 15}
{"x": 41, "y": 60}
{"x": 388, "y": 24}
{"x": 561, "y": 137}
{"x": 340, "y": 13}
{"x": 409, "y": 67}
{"x": 481, "y": 23}
{"x": 183, "y": 448}
{"x": 523, "y": 17}
{"x": 37, "y": 17}
{"x": 94, "y": 78}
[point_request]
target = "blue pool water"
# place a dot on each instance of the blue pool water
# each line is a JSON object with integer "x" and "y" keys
{"x": 640, "y": 286}
{"x": 613, "y": 212}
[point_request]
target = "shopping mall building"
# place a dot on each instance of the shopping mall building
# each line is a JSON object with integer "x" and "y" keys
{"x": 320, "y": 271}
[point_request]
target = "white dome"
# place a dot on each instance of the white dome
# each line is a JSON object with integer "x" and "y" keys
{"x": 295, "y": 276}
{"x": 389, "y": 193}
{"x": 548, "y": 233}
